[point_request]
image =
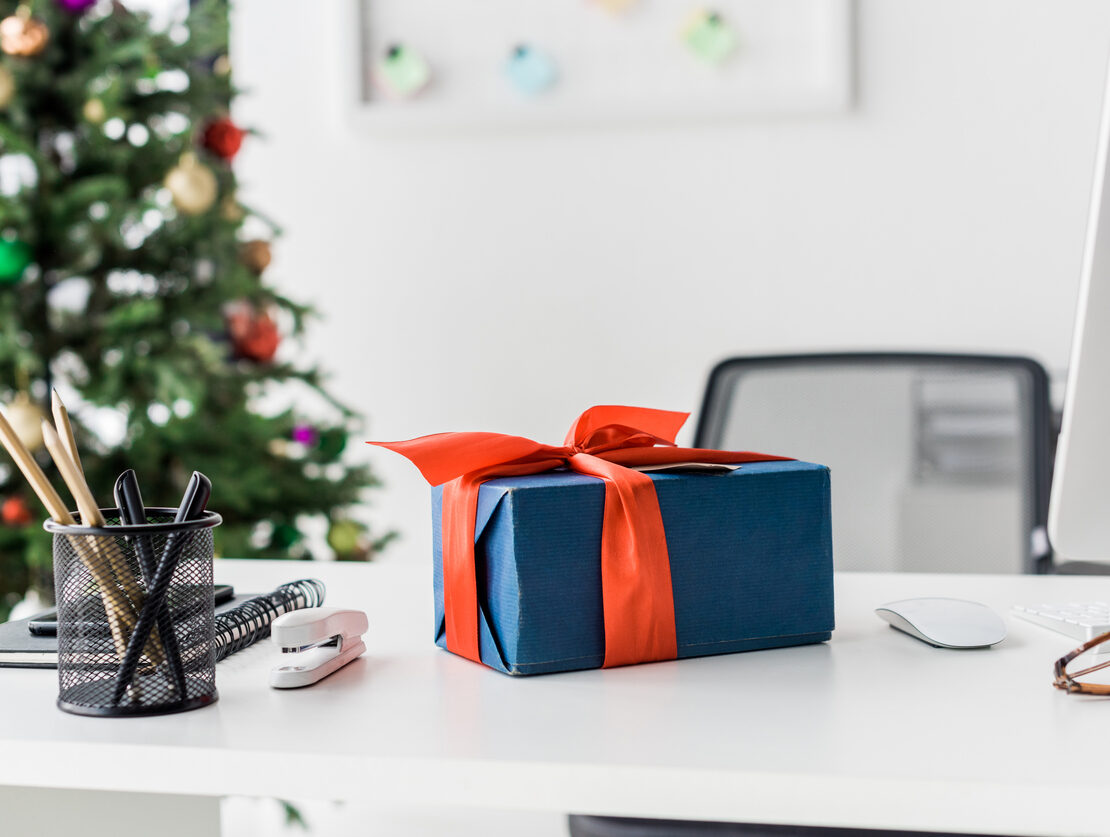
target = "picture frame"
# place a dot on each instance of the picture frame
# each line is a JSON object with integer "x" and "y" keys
{"x": 792, "y": 57}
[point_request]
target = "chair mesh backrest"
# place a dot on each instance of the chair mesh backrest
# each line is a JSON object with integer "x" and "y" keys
{"x": 938, "y": 463}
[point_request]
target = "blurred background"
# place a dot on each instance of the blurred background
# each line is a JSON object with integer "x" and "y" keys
{"x": 480, "y": 268}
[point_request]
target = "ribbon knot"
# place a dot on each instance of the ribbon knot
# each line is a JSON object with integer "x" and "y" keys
{"x": 604, "y": 442}
{"x": 615, "y": 437}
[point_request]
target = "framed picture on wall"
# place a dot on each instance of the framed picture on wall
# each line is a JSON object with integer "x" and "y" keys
{"x": 548, "y": 62}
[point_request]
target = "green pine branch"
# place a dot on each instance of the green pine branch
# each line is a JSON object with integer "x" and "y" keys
{"x": 97, "y": 121}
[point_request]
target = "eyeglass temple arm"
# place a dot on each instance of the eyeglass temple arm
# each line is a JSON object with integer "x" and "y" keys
{"x": 1062, "y": 663}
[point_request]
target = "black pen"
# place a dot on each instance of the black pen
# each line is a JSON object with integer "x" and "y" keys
{"x": 192, "y": 506}
{"x": 132, "y": 512}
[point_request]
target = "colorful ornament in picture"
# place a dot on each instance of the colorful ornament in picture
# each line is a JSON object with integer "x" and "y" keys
{"x": 531, "y": 71}
{"x": 76, "y": 7}
{"x": 23, "y": 36}
{"x": 7, "y": 87}
{"x": 709, "y": 37}
{"x": 15, "y": 255}
{"x": 14, "y": 511}
{"x": 402, "y": 72}
{"x": 223, "y": 138}
{"x": 192, "y": 185}
{"x": 254, "y": 334}
{"x": 256, "y": 255}
{"x": 26, "y": 417}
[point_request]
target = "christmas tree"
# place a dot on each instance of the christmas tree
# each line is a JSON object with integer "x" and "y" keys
{"x": 131, "y": 279}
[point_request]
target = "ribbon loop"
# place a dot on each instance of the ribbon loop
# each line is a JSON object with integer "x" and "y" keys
{"x": 664, "y": 424}
{"x": 603, "y": 442}
{"x": 446, "y": 456}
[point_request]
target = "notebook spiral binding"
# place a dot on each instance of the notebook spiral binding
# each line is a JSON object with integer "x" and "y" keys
{"x": 249, "y": 622}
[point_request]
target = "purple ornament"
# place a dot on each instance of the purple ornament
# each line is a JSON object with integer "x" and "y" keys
{"x": 76, "y": 7}
{"x": 305, "y": 434}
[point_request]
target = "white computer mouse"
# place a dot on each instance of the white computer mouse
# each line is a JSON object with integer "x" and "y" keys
{"x": 945, "y": 623}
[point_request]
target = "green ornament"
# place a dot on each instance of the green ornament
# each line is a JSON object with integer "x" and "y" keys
{"x": 332, "y": 443}
{"x": 285, "y": 536}
{"x": 709, "y": 37}
{"x": 345, "y": 536}
{"x": 403, "y": 72}
{"x": 14, "y": 258}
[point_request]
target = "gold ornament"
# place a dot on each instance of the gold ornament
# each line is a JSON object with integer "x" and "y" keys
{"x": 192, "y": 185}
{"x": 94, "y": 111}
{"x": 256, "y": 255}
{"x": 230, "y": 210}
{"x": 278, "y": 447}
{"x": 7, "y": 87}
{"x": 222, "y": 66}
{"x": 25, "y": 417}
{"x": 22, "y": 35}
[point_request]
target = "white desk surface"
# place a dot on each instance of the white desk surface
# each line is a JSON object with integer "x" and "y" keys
{"x": 873, "y": 729}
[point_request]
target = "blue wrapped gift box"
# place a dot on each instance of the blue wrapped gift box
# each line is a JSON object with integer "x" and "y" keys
{"x": 750, "y": 554}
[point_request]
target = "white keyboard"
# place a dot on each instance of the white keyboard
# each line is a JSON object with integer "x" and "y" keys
{"x": 1079, "y": 620}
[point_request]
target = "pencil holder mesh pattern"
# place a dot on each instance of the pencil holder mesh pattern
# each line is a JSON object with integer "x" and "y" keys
{"x": 136, "y": 630}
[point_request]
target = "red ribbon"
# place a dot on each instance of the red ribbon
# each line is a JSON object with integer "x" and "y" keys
{"x": 635, "y": 569}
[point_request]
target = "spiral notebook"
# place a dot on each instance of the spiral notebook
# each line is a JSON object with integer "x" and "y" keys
{"x": 246, "y": 623}
{"x": 240, "y": 622}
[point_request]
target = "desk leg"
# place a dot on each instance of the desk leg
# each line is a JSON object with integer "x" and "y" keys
{"x": 46, "y": 812}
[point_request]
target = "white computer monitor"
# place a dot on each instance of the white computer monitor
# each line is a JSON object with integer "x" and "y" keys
{"x": 1079, "y": 509}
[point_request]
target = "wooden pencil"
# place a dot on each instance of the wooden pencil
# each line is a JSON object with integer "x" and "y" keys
{"x": 90, "y": 512}
{"x": 91, "y": 516}
{"x": 65, "y": 429}
{"x": 121, "y": 619}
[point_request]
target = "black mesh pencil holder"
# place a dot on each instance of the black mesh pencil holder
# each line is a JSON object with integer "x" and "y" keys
{"x": 136, "y": 630}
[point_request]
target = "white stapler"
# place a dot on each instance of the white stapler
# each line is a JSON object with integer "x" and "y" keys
{"x": 323, "y": 640}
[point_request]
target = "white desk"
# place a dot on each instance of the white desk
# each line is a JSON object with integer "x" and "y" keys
{"x": 873, "y": 729}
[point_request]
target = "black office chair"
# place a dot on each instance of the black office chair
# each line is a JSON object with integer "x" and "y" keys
{"x": 939, "y": 463}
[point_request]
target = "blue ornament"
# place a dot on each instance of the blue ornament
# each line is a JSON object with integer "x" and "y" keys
{"x": 531, "y": 71}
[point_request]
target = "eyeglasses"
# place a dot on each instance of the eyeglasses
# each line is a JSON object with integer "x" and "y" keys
{"x": 1067, "y": 680}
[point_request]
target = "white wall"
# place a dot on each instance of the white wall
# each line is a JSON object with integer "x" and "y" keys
{"x": 505, "y": 282}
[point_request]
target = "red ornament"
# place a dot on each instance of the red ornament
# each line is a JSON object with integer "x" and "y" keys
{"x": 254, "y": 334}
{"x": 223, "y": 138}
{"x": 14, "y": 511}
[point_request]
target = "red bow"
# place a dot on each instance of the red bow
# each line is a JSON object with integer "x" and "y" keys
{"x": 635, "y": 569}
